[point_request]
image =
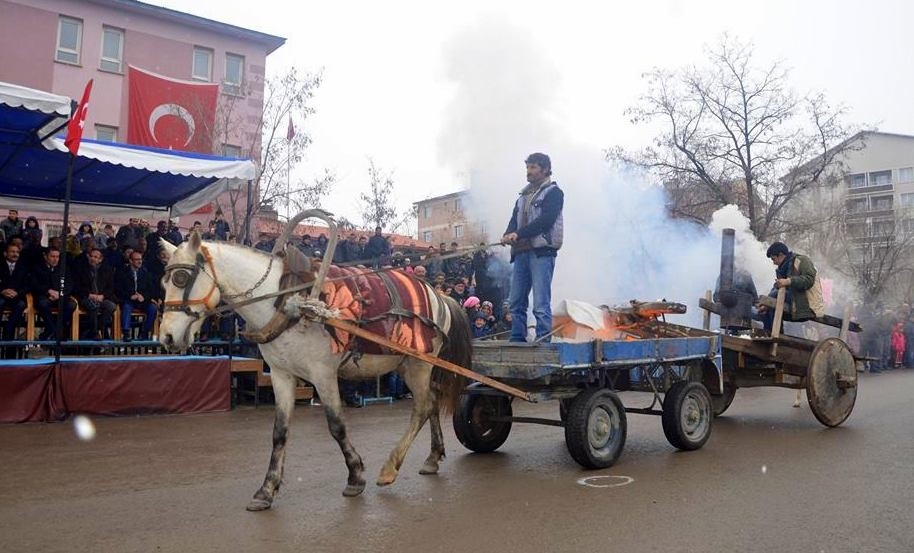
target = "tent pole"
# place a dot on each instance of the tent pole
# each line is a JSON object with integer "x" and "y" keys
{"x": 247, "y": 217}
{"x": 61, "y": 301}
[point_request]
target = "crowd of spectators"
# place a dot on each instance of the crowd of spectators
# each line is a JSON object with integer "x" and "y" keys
{"x": 104, "y": 270}
{"x": 887, "y": 339}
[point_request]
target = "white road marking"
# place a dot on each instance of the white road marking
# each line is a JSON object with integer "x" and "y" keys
{"x": 615, "y": 481}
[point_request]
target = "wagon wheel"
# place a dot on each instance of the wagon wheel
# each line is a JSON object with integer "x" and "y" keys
{"x": 473, "y": 425}
{"x": 721, "y": 403}
{"x": 595, "y": 428}
{"x": 831, "y": 382}
{"x": 687, "y": 415}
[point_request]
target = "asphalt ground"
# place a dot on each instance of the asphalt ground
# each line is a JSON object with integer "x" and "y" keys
{"x": 771, "y": 478}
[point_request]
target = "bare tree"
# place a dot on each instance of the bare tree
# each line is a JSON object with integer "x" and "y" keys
{"x": 377, "y": 204}
{"x": 286, "y": 97}
{"x": 734, "y": 132}
{"x": 874, "y": 249}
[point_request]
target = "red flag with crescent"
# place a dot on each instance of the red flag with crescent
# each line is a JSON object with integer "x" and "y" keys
{"x": 170, "y": 113}
{"x": 78, "y": 121}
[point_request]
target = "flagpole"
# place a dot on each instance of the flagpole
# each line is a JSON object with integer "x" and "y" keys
{"x": 74, "y": 135}
{"x": 289, "y": 181}
{"x": 62, "y": 299}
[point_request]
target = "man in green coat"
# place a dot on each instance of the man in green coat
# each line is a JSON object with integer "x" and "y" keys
{"x": 796, "y": 273}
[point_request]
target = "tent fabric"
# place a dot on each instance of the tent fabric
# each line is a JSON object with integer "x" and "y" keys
{"x": 105, "y": 174}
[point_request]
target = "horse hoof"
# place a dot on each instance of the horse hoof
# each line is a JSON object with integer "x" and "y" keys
{"x": 429, "y": 468}
{"x": 387, "y": 479}
{"x": 353, "y": 490}
{"x": 259, "y": 505}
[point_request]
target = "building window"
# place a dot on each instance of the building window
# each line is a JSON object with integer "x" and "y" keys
{"x": 908, "y": 226}
{"x": 234, "y": 74}
{"x": 881, "y": 203}
{"x": 906, "y": 174}
{"x": 856, "y": 181}
{"x": 69, "y": 40}
{"x": 458, "y": 204}
{"x": 856, "y": 230}
{"x": 882, "y": 229}
{"x": 229, "y": 150}
{"x": 856, "y": 206}
{"x": 203, "y": 64}
{"x": 907, "y": 200}
{"x": 112, "y": 50}
{"x": 427, "y": 236}
{"x": 880, "y": 178}
{"x": 105, "y": 133}
{"x": 458, "y": 231}
{"x": 426, "y": 212}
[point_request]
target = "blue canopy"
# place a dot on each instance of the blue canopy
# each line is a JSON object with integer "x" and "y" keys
{"x": 33, "y": 166}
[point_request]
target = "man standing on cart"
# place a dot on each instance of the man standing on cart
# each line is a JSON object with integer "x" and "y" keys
{"x": 535, "y": 236}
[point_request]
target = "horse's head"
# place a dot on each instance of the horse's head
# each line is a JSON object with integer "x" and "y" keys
{"x": 191, "y": 290}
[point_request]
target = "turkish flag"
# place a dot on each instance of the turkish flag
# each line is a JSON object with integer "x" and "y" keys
{"x": 172, "y": 114}
{"x": 78, "y": 121}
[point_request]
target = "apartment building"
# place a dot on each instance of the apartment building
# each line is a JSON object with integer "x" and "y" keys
{"x": 880, "y": 189}
{"x": 445, "y": 219}
{"x": 59, "y": 45}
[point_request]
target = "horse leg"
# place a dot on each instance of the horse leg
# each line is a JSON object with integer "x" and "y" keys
{"x": 284, "y": 390}
{"x": 437, "y": 453}
{"x": 329, "y": 391}
{"x": 423, "y": 401}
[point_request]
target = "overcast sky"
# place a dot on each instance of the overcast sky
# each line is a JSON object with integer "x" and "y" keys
{"x": 393, "y": 72}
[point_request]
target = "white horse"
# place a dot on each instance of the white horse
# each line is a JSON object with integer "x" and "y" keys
{"x": 200, "y": 275}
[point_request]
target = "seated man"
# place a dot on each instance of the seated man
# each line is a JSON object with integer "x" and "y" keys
{"x": 803, "y": 300}
{"x": 46, "y": 291}
{"x": 135, "y": 287}
{"x": 94, "y": 287}
{"x": 13, "y": 287}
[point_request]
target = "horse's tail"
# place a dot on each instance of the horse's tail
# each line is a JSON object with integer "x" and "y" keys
{"x": 458, "y": 349}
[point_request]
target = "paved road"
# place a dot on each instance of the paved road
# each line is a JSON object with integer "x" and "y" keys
{"x": 770, "y": 479}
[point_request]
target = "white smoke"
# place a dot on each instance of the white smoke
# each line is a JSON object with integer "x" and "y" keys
{"x": 620, "y": 244}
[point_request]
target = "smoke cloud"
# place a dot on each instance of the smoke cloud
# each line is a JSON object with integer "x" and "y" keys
{"x": 620, "y": 244}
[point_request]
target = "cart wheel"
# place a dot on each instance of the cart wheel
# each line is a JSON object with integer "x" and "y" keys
{"x": 687, "y": 415}
{"x": 595, "y": 428}
{"x": 719, "y": 404}
{"x": 473, "y": 426}
{"x": 831, "y": 382}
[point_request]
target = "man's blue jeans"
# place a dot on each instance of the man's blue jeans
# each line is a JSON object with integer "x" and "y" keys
{"x": 148, "y": 308}
{"x": 531, "y": 272}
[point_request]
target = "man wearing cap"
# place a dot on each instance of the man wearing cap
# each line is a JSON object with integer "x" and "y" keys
{"x": 535, "y": 235}
{"x": 797, "y": 273}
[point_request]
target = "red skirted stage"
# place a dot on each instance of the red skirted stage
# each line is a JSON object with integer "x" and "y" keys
{"x": 37, "y": 390}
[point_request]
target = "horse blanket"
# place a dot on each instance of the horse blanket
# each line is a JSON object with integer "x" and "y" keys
{"x": 392, "y": 304}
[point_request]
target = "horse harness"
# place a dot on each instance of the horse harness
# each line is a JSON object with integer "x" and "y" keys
{"x": 295, "y": 278}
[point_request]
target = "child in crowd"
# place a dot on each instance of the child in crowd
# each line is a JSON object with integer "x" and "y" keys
{"x": 481, "y": 328}
{"x": 898, "y": 344}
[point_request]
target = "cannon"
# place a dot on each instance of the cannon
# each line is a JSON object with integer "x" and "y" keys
{"x": 826, "y": 369}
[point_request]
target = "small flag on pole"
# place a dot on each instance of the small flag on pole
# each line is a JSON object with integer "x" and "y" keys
{"x": 78, "y": 121}
{"x": 290, "y": 134}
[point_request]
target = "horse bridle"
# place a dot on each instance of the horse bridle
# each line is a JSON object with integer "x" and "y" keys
{"x": 184, "y": 276}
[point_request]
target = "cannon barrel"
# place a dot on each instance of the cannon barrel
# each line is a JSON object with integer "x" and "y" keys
{"x": 735, "y": 302}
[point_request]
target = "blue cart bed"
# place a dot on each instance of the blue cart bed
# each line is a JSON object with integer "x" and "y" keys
{"x": 679, "y": 366}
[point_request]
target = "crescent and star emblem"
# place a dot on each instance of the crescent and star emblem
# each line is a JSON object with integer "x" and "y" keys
{"x": 172, "y": 109}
